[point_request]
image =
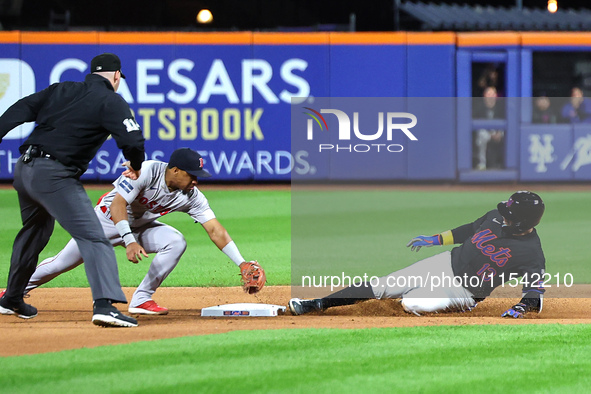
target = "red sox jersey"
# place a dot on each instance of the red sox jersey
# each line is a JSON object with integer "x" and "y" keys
{"x": 494, "y": 257}
{"x": 148, "y": 197}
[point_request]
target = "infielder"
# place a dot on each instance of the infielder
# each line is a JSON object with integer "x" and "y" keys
{"x": 128, "y": 215}
{"x": 500, "y": 246}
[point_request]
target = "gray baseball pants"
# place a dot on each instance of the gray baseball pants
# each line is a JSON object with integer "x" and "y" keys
{"x": 49, "y": 191}
{"x": 155, "y": 237}
{"x": 426, "y": 286}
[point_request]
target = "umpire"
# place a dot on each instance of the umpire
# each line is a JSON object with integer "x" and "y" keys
{"x": 73, "y": 120}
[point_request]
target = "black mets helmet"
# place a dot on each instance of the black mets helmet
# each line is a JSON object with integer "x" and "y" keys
{"x": 523, "y": 209}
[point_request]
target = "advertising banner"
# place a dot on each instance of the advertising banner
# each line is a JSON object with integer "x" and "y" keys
{"x": 229, "y": 102}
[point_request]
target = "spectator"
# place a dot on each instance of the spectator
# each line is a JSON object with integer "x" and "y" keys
{"x": 495, "y": 150}
{"x": 542, "y": 111}
{"x": 578, "y": 108}
{"x": 487, "y": 108}
{"x": 489, "y": 145}
{"x": 490, "y": 77}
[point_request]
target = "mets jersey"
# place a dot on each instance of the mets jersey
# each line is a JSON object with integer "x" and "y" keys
{"x": 494, "y": 257}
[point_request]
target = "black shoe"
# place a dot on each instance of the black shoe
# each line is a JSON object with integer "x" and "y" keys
{"x": 299, "y": 307}
{"x": 109, "y": 316}
{"x": 22, "y": 310}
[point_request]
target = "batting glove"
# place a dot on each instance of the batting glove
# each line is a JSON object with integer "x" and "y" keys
{"x": 417, "y": 243}
{"x": 516, "y": 311}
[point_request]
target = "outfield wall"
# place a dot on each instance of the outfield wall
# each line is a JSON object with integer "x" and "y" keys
{"x": 228, "y": 95}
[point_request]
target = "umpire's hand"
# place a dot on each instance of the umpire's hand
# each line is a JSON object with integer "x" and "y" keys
{"x": 134, "y": 252}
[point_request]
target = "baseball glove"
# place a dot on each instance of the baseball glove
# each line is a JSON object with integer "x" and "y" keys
{"x": 253, "y": 276}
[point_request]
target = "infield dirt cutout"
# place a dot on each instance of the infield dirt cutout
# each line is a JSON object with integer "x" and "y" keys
{"x": 64, "y": 320}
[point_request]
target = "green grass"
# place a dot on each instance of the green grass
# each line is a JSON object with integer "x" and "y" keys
{"x": 468, "y": 359}
{"x": 358, "y": 229}
{"x": 353, "y": 231}
{"x": 258, "y": 221}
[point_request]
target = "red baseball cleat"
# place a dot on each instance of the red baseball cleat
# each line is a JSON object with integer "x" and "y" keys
{"x": 149, "y": 308}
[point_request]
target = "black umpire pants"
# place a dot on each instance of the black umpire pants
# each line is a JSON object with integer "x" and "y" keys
{"x": 49, "y": 191}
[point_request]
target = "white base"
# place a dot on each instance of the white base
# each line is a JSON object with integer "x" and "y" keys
{"x": 242, "y": 310}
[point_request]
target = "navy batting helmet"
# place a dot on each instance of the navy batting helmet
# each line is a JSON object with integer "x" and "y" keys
{"x": 523, "y": 209}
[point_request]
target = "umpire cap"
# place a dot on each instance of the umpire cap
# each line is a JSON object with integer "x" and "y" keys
{"x": 106, "y": 62}
{"x": 188, "y": 160}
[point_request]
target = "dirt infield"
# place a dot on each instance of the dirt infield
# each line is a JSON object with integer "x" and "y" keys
{"x": 64, "y": 320}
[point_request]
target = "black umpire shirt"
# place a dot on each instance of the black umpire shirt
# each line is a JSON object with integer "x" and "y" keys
{"x": 74, "y": 119}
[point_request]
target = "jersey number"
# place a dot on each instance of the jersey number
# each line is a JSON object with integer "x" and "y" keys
{"x": 487, "y": 272}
